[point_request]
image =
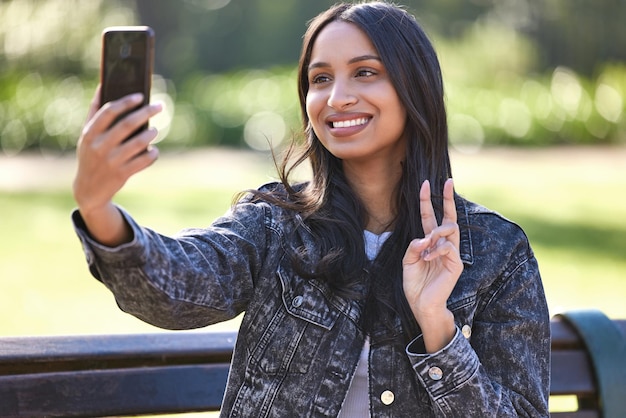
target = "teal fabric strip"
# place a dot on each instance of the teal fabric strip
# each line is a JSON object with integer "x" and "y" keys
{"x": 606, "y": 346}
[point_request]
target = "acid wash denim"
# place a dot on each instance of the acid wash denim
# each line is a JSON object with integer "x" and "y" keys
{"x": 299, "y": 344}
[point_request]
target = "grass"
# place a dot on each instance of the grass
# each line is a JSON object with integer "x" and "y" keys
{"x": 567, "y": 200}
{"x": 570, "y": 202}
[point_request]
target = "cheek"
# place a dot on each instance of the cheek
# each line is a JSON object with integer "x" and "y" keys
{"x": 314, "y": 106}
{"x": 398, "y": 110}
{"x": 402, "y": 116}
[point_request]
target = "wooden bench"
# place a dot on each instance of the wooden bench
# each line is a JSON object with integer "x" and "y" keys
{"x": 186, "y": 371}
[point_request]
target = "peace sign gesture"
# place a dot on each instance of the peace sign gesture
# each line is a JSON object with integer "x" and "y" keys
{"x": 431, "y": 267}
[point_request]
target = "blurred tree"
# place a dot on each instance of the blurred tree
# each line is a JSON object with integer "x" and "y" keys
{"x": 48, "y": 49}
{"x": 56, "y": 36}
{"x": 580, "y": 34}
{"x": 517, "y": 71}
{"x": 222, "y": 35}
{"x": 219, "y": 35}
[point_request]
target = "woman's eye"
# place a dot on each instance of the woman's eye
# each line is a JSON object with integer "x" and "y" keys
{"x": 319, "y": 79}
{"x": 365, "y": 73}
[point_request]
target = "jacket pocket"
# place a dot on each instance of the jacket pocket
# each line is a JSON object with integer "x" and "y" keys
{"x": 302, "y": 318}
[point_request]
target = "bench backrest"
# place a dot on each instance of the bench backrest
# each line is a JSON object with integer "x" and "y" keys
{"x": 108, "y": 375}
{"x": 589, "y": 362}
{"x": 185, "y": 371}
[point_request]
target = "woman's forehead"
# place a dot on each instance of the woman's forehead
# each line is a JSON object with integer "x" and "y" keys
{"x": 341, "y": 38}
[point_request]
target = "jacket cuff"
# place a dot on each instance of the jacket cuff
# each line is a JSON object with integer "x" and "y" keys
{"x": 443, "y": 371}
{"x": 120, "y": 254}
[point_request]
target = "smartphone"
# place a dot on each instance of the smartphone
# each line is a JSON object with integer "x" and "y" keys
{"x": 126, "y": 66}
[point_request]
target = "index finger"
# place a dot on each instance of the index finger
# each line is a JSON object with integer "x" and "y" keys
{"x": 427, "y": 213}
{"x": 109, "y": 112}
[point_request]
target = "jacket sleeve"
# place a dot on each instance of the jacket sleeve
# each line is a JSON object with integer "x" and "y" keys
{"x": 196, "y": 278}
{"x": 502, "y": 369}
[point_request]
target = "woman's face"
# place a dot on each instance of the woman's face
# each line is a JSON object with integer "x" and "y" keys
{"x": 351, "y": 103}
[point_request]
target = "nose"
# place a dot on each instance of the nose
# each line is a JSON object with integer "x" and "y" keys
{"x": 341, "y": 96}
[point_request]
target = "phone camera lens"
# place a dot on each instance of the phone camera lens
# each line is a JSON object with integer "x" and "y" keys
{"x": 125, "y": 50}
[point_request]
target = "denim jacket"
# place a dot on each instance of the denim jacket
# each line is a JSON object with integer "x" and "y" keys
{"x": 299, "y": 344}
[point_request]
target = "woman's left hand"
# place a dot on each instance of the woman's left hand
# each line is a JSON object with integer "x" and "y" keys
{"x": 431, "y": 267}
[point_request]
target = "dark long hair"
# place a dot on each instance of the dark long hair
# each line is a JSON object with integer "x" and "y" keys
{"x": 328, "y": 205}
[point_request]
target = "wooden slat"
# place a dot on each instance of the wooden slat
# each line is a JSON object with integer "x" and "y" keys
{"x": 181, "y": 371}
{"x": 563, "y": 335}
{"x": 59, "y": 353}
{"x": 571, "y": 374}
{"x": 575, "y": 414}
{"x": 114, "y": 392}
{"x": 571, "y": 368}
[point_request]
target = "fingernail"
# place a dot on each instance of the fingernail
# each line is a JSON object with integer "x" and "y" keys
{"x": 136, "y": 97}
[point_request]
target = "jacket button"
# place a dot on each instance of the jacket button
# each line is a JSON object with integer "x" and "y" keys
{"x": 435, "y": 373}
{"x": 297, "y": 301}
{"x": 387, "y": 397}
{"x": 466, "y": 331}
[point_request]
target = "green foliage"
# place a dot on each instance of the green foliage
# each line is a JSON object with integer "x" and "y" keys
{"x": 50, "y": 54}
{"x": 494, "y": 97}
{"x": 498, "y": 90}
{"x": 258, "y": 108}
{"x": 40, "y": 111}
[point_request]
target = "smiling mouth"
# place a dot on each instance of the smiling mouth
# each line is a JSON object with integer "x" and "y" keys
{"x": 349, "y": 123}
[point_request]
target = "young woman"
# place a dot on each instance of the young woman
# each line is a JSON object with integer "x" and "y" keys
{"x": 371, "y": 290}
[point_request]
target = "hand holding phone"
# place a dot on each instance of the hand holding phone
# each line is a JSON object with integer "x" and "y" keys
{"x": 127, "y": 62}
{"x": 104, "y": 165}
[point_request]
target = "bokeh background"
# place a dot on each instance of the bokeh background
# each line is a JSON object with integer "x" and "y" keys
{"x": 535, "y": 90}
{"x": 536, "y": 94}
{"x": 525, "y": 72}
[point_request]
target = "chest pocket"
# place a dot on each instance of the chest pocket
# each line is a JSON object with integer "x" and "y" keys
{"x": 305, "y": 315}
{"x": 309, "y": 300}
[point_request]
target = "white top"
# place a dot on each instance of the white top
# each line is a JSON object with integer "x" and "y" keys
{"x": 356, "y": 404}
{"x": 373, "y": 243}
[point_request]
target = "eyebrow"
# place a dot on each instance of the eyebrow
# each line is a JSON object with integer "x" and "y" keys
{"x": 351, "y": 61}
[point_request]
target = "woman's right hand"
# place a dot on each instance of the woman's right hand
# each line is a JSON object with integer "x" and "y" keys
{"x": 106, "y": 160}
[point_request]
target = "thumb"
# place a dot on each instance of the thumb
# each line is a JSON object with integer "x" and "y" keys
{"x": 414, "y": 251}
{"x": 95, "y": 104}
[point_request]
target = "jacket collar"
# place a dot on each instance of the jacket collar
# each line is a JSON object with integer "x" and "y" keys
{"x": 466, "y": 248}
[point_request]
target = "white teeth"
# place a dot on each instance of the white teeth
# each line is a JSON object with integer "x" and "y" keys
{"x": 349, "y": 123}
